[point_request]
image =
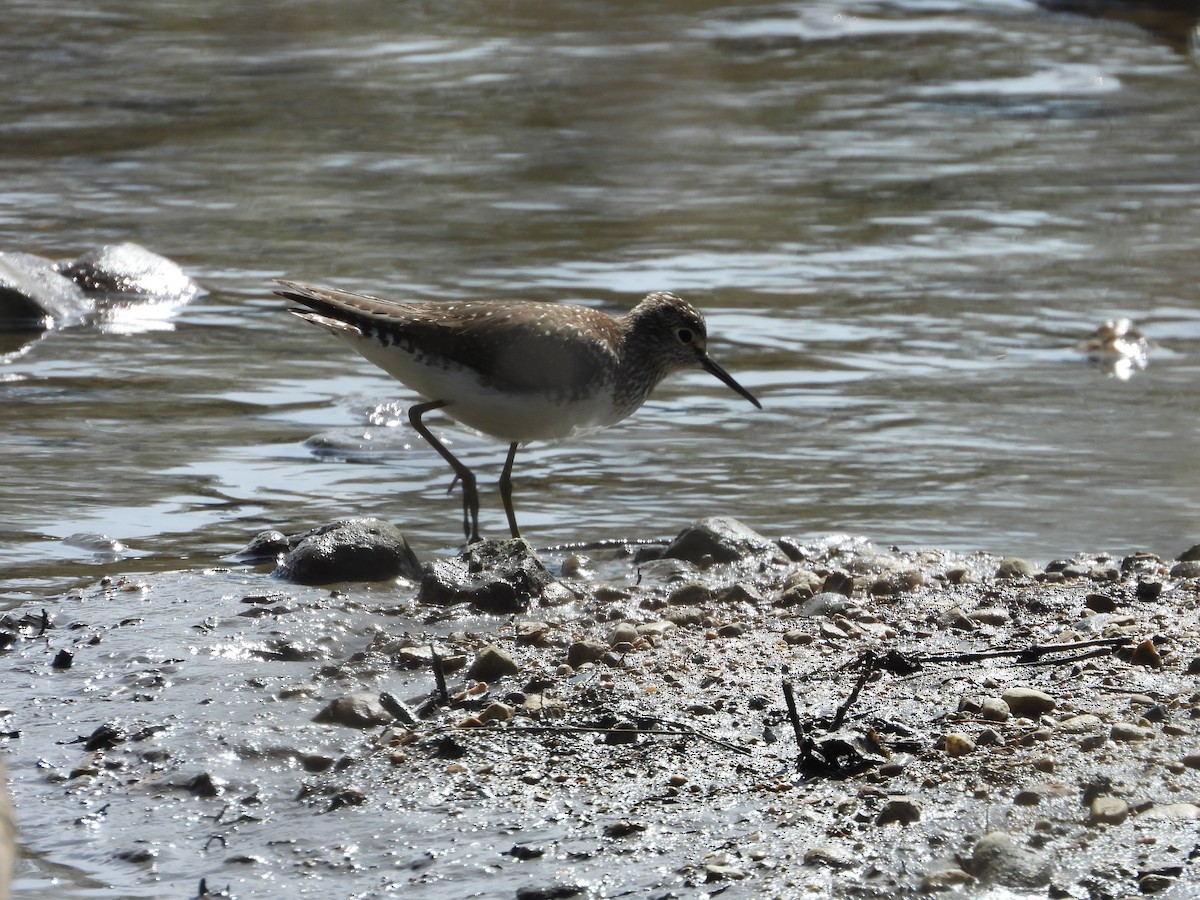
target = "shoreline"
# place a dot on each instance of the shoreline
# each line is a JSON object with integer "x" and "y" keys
{"x": 973, "y": 724}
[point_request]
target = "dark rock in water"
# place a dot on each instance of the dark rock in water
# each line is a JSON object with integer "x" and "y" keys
{"x": 37, "y": 293}
{"x": 350, "y": 550}
{"x": 266, "y": 547}
{"x": 34, "y": 296}
{"x": 494, "y": 577}
{"x": 130, "y": 270}
{"x": 719, "y": 539}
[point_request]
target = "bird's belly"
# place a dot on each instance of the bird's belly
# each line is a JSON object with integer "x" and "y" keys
{"x": 474, "y": 402}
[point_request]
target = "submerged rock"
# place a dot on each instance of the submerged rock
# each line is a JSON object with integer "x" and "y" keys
{"x": 494, "y": 577}
{"x": 34, "y": 295}
{"x": 350, "y": 550}
{"x": 719, "y": 539}
{"x": 37, "y": 293}
{"x": 132, "y": 271}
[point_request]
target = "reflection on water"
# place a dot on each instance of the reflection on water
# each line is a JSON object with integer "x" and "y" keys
{"x": 900, "y": 219}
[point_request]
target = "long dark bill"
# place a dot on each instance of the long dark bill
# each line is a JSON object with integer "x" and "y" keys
{"x": 710, "y": 366}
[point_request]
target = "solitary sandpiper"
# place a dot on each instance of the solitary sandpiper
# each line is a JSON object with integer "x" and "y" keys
{"x": 516, "y": 370}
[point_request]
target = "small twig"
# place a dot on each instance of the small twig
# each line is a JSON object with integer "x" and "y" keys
{"x": 868, "y": 664}
{"x": 1028, "y": 654}
{"x": 580, "y": 729}
{"x": 793, "y": 714}
{"x": 439, "y": 676}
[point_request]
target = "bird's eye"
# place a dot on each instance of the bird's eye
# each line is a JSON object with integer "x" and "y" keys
{"x": 684, "y": 335}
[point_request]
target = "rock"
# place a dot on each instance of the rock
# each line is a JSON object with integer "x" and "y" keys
{"x": 1127, "y": 731}
{"x": 1081, "y": 724}
{"x": 903, "y": 810}
{"x": 1191, "y": 554}
{"x": 1015, "y": 567}
{"x": 266, "y": 546}
{"x": 35, "y": 296}
{"x": 945, "y": 880}
{"x": 989, "y": 615}
{"x": 830, "y": 857}
{"x": 958, "y": 745}
{"x": 350, "y": 550}
{"x": 1146, "y": 654}
{"x": 719, "y": 539}
{"x": 717, "y": 872}
{"x": 130, "y": 269}
{"x": 1105, "y": 810}
{"x": 494, "y": 577}
{"x": 491, "y": 664}
{"x": 826, "y": 603}
{"x": 624, "y": 633}
{"x": 361, "y": 710}
{"x": 998, "y": 858}
{"x": 693, "y": 593}
{"x": 582, "y": 652}
{"x": 995, "y": 710}
{"x": 1028, "y": 703}
{"x": 497, "y": 712}
{"x": 1189, "y": 569}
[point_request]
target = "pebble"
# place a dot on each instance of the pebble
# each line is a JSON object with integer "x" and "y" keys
{"x": 958, "y": 745}
{"x": 1015, "y": 567}
{"x": 903, "y": 810}
{"x": 1126, "y": 731}
{"x": 582, "y": 652}
{"x": 995, "y": 710}
{"x": 830, "y": 857}
{"x": 1106, "y": 810}
{"x": 945, "y": 880}
{"x": 989, "y": 615}
{"x": 491, "y": 664}
{"x": 1081, "y": 724}
{"x": 1028, "y": 703}
{"x": 359, "y": 710}
{"x": 997, "y": 857}
{"x": 624, "y": 633}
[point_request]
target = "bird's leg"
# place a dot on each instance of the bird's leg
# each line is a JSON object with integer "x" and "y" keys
{"x": 506, "y": 490}
{"x": 470, "y": 494}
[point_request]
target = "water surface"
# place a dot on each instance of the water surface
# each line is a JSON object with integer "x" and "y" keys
{"x": 899, "y": 218}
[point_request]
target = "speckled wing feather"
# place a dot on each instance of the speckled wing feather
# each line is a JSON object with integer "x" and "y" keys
{"x": 514, "y": 345}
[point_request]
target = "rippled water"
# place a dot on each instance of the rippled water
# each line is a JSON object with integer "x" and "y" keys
{"x": 899, "y": 217}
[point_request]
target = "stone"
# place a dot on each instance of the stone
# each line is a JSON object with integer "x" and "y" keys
{"x": 498, "y": 577}
{"x": 1028, "y": 703}
{"x": 1127, "y": 731}
{"x": 998, "y": 858}
{"x": 34, "y": 295}
{"x": 902, "y": 810}
{"x": 131, "y": 270}
{"x": 350, "y": 550}
{"x": 359, "y": 710}
{"x": 1015, "y": 567}
{"x": 582, "y": 652}
{"x": 945, "y": 880}
{"x": 1081, "y": 724}
{"x": 491, "y": 664}
{"x": 624, "y": 633}
{"x": 719, "y": 539}
{"x": 995, "y": 710}
{"x": 958, "y": 745}
{"x": 1105, "y": 810}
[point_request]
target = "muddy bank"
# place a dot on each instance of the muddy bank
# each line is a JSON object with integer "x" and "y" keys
{"x": 958, "y": 723}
